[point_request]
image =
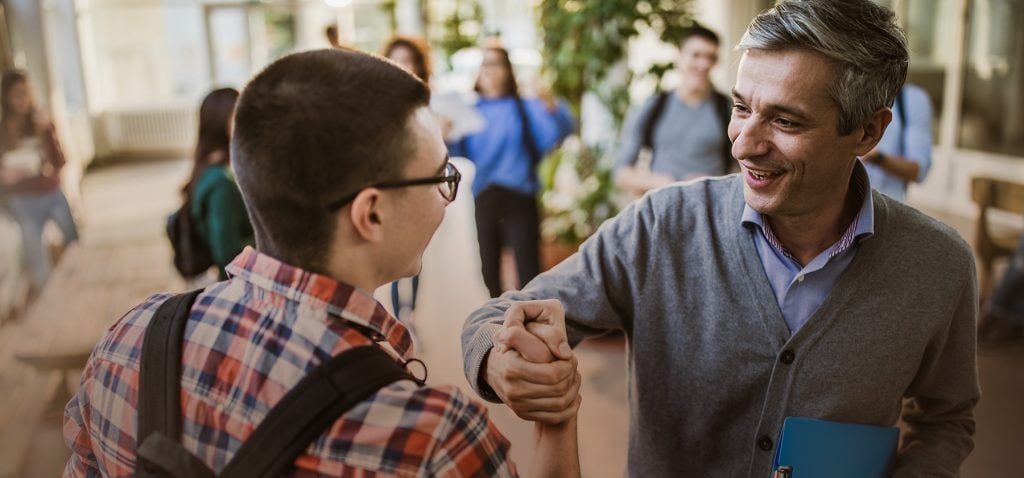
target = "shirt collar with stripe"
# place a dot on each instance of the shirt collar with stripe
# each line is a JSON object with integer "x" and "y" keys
{"x": 862, "y": 226}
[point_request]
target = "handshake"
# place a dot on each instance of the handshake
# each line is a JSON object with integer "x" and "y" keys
{"x": 531, "y": 367}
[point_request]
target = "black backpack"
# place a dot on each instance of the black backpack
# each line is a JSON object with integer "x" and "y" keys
{"x": 292, "y": 425}
{"x": 192, "y": 255}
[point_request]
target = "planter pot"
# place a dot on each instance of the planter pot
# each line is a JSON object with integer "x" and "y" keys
{"x": 554, "y": 252}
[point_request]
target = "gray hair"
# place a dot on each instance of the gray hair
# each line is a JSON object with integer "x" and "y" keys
{"x": 859, "y": 37}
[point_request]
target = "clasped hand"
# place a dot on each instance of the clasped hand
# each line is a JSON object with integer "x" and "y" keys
{"x": 531, "y": 367}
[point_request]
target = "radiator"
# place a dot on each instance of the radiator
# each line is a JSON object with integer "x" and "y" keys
{"x": 169, "y": 129}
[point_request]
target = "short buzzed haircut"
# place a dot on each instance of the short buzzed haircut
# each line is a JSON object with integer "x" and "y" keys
{"x": 311, "y": 128}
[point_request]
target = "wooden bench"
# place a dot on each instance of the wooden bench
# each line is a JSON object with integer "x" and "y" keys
{"x": 990, "y": 243}
{"x": 42, "y": 353}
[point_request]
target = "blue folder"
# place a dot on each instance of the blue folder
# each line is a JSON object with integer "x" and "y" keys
{"x": 820, "y": 448}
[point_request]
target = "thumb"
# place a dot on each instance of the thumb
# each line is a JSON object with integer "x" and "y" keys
{"x": 553, "y": 337}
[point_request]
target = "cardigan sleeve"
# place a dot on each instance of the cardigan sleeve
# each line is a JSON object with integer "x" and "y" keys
{"x": 596, "y": 286}
{"x": 939, "y": 404}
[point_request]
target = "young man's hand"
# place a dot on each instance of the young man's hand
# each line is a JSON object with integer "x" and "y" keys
{"x": 531, "y": 367}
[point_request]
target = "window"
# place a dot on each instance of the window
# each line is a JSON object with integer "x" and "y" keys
{"x": 245, "y": 39}
{"x": 144, "y": 55}
{"x": 993, "y": 96}
{"x": 927, "y": 24}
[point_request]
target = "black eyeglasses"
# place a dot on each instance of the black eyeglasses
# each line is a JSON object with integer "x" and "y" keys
{"x": 447, "y": 185}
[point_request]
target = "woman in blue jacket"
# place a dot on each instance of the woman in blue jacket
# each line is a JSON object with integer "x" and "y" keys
{"x": 518, "y": 133}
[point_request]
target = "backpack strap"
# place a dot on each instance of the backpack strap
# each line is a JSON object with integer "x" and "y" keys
{"x": 652, "y": 119}
{"x": 723, "y": 107}
{"x": 310, "y": 408}
{"x": 304, "y": 413}
{"x": 524, "y": 121}
{"x": 159, "y": 402}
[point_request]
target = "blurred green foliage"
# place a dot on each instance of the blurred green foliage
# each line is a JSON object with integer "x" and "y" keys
{"x": 585, "y": 39}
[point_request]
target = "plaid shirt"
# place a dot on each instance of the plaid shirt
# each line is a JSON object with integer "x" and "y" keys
{"x": 248, "y": 341}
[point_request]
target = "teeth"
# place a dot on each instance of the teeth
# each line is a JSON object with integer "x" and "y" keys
{"x": 763, "y": 175}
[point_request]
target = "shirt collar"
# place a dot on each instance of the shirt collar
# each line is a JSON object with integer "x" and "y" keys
{"x": 862, "y": 226}
{"x": 319, "y": 291}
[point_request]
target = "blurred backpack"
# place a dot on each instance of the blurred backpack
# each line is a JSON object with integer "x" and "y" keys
{"x": 192, "y": 255}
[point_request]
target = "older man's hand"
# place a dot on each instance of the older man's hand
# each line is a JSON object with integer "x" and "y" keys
{"x": 531, "y": 367}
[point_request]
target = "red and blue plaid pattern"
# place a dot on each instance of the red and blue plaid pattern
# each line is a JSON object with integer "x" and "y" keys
{"x": 248, "y": 341}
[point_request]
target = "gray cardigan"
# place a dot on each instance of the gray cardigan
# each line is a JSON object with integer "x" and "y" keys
{"x": 713, "y": 368}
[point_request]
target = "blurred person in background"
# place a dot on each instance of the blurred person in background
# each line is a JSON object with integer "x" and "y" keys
{"x": 1003, "y": 323}
{"x": 410, "y": 53}
{"x": 681, "y": 134}
{"x": 518, "y": 132}
{"x": 905, "y": 152}
{"x": 413, "y": 55}
{"x": 215, "y": 203}
{"x": 30, "y": 164}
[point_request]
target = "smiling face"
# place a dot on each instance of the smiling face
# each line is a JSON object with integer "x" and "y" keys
{"x": 785, "y": 135}
{"x": 697, "y": 56}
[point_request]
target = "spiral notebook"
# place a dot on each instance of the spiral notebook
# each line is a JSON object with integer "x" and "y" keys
{"x": 810, "y": 448}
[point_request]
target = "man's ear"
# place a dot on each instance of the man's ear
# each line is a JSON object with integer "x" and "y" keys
{"x": 870, "y": 133}
{"x": 365, "y": 215}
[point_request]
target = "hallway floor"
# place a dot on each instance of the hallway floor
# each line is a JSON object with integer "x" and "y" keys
{"x": 127, "y": 204}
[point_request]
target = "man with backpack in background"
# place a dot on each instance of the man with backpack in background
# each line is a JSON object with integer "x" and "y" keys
{"x": 291, "y": 367}
{"x": 680, "y": 134}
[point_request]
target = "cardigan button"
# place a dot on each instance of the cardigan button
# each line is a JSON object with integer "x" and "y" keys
{"x": 787, "y": 357}
{"x": 764, "y": 443}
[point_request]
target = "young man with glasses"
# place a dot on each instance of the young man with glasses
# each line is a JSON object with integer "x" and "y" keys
{"x": 345, "y": 177}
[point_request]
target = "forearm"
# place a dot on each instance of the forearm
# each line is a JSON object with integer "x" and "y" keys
{"x": 557, "y": 452}
{"x": 637, "y": 181}
{"x": 54, "y": 153}
{"x": 901, "y": 167}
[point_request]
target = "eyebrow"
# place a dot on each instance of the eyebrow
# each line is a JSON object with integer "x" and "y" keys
{"x": 789, "y": 110}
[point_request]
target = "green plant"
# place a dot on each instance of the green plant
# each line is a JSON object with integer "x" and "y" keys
{"x": 584, "y": 40}
{"x": 585, "y": 46}
{"x": 461, "y": 29}
{"x": 578, "y": 194}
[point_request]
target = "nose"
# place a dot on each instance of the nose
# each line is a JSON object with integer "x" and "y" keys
{"x": 749, "y": 139}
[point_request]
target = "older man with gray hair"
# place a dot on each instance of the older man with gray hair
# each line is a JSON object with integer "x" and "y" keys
{"x": 787, "y": 290}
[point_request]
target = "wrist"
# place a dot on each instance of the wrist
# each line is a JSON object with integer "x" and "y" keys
{"x": 484, "y": 376}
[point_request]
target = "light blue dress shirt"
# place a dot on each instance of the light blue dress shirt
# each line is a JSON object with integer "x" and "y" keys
{"x": 800, "y": 290}
{"x": 912, "y": 141}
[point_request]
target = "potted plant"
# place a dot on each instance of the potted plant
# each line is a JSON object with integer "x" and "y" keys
{"x": 577, "y": 196}
{"x": 585, "y": 47}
